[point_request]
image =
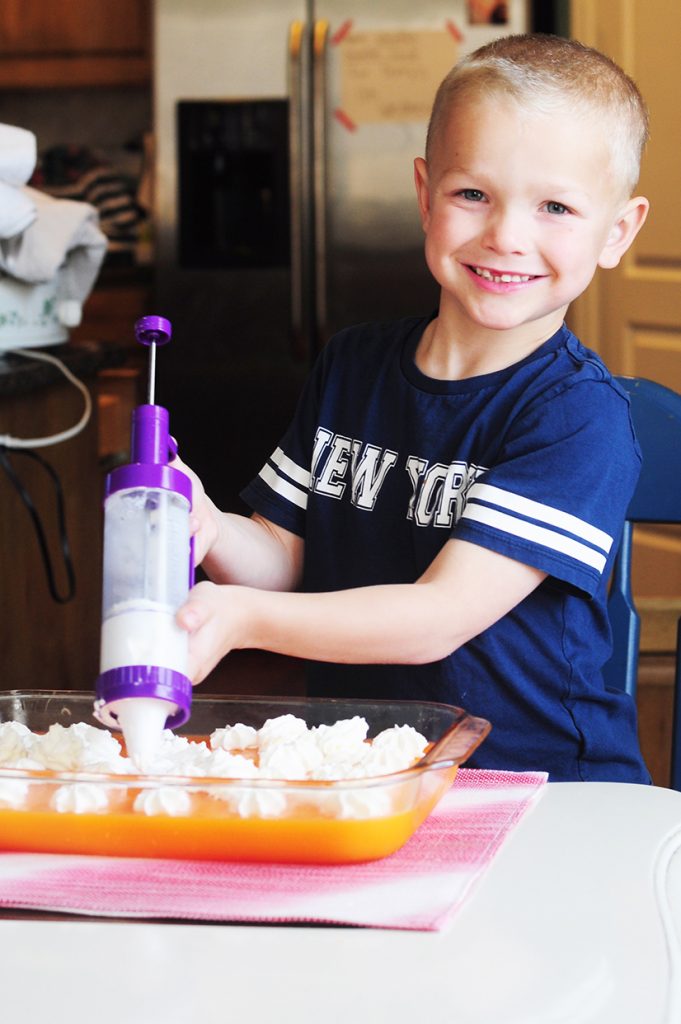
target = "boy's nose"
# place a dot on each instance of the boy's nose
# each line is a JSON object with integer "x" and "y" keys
{"x": 505, "y": 232}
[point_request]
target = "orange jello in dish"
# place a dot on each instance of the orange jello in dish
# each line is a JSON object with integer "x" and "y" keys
{"x": 244, "y": 819}
{"x": 210, "y": 833}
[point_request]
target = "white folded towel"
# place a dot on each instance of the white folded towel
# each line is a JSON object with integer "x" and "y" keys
{"x": 17, "y": 210}
{"x": 63, "y": 237}
{"x": 18, "y": 154}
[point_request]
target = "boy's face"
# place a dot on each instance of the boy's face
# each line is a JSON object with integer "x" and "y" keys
{"x": 519, "y": 208}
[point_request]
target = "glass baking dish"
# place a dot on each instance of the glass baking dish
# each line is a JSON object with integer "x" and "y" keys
{"x": 314, "y": 822}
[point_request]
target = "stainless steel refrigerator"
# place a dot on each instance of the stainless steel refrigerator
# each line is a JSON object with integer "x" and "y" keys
{"x": 285, "y": 207}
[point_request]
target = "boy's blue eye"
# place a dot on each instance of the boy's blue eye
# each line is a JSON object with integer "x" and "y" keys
{"x": 474, "y": 194}
{"x": 553, "y": 207}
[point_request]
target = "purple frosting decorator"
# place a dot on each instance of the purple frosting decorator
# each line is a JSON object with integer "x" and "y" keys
{"x": 143, "y": 685}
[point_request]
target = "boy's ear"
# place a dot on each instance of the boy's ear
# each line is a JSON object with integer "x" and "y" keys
{"x": 422, "y": 190}
{"x": 630, "y": 220}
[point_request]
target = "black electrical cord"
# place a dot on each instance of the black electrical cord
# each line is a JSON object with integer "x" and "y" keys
{"x": 38, "y": 526}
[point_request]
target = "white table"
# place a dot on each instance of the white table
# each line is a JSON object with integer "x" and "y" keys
{"x": 577, "y": 920}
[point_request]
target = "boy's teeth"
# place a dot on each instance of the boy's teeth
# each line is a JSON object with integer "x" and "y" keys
{"x": 501, "y": 278}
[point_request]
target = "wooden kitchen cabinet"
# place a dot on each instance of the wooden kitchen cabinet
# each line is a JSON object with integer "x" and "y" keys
{"x": 66, "y": 45}
{"x": 45, "y": 644}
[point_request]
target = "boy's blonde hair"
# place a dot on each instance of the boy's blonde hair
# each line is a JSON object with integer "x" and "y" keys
{"x": 550, "y": 74}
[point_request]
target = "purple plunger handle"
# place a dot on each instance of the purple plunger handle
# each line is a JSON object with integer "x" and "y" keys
{"x": 153, "y": 330}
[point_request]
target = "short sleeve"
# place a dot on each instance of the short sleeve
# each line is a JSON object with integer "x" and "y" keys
{"x": 557, "y": 494}
{"x": 280, "y": 492}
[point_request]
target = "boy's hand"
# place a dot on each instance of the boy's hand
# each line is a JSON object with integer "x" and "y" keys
{"x": 203, "y": 521}
{"x": 210, "y": 615}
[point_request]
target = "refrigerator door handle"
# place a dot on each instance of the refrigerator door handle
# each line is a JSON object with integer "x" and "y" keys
{"x": 299, "y": 187}
{"x": 320, "y": 39}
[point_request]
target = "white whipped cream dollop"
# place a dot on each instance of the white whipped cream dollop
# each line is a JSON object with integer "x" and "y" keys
{"x": 13, "y": 793}
{"x": 291, "y": 759}
{"x": 393, "y": 750}
{"x": 345, "y": 740}
{"x": 76, "y": 747}
{"x": 252, "y": 803}
{"x": 170, "y": 800}
{"x": 355, "y": 802}
{"x": 403, "y": 740}
{"x": 221, "y": 764}
{"x": 282, "y": 729}
{"x": 80, "y": 798}
{"x": 234, "y": 737}
{"x": 15, "y": 743}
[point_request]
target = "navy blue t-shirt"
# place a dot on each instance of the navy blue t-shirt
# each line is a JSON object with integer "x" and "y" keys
{"x": 382, "y": 465}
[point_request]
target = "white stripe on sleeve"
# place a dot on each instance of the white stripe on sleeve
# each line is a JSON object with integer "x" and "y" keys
{"x": 537, "y": 534}
{"x": 291, "y": 468}
{"x": 544, "y": 513}
{"x": 283, "y": 487}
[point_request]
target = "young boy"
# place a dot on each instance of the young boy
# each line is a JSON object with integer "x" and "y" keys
{"x": 440, "y": 519}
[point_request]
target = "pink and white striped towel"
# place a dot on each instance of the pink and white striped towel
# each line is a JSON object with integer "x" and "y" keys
{"x": 419, "y": 887}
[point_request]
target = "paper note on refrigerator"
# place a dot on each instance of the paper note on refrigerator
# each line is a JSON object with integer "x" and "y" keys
{"x": 393, "y": 76}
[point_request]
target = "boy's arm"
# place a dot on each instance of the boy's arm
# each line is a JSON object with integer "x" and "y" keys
{"x": 465, "y": 590}
{"x": 255, "y": 553}
{"x": 235, "y": 549}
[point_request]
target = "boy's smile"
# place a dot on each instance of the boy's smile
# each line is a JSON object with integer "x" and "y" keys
{"x": 500, "y": 280}
{"x": 519, "y": 208}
